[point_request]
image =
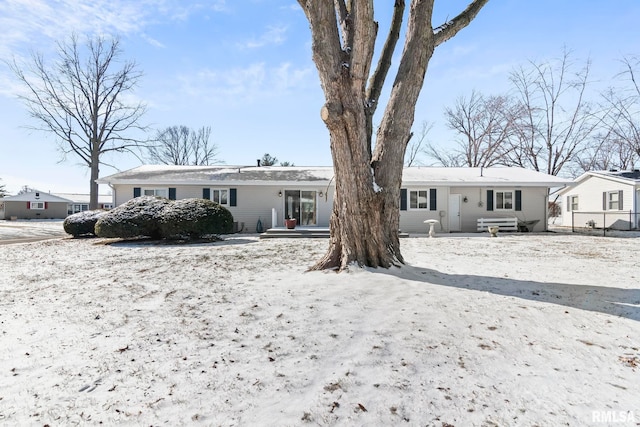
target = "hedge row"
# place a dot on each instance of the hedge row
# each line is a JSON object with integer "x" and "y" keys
{"x": 154, "y": 217}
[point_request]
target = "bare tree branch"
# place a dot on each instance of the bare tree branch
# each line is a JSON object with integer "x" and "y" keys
{"x": 80, "y": 101}
{"x": 450, "y": 28}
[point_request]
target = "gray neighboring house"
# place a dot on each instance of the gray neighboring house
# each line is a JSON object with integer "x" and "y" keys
{"x": 262, "y": 197}
{"x": 600, "y": 199}
{"x": 35, "y": 205}
{"x": 80, "y": 202}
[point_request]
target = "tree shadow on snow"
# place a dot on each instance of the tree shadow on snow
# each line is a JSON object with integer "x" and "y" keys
{"x": 604, "y": 299}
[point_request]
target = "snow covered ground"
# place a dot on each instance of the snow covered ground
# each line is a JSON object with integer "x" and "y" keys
{"x": 523, "y": 329}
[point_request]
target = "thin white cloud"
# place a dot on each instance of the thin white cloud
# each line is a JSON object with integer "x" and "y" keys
{"x": 38, "y": 22}
{"x": 272, "y": 36}
{"x": 256, "y": 81}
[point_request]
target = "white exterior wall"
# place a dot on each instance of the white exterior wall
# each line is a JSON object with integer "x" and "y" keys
{"x": 534, "y": 207}
{"x": 253, "y": 202}
{"x": 412, "y": 220}
{"x": 589, "y": 193}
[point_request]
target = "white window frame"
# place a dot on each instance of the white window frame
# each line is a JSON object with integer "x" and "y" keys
{"x": 219, "y": 192}
{"x": 497, "y": 207}
{"x": 574, "y": 202}
{"x": 417, "y": 206}
{"x": 611, "y": 202}
{"x": 37, "y": 206}
{"x": 107, "y": 206}
{"x": 165, "y": 190}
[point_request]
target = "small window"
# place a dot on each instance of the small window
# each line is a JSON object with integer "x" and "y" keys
{"x": 574, "y": 203}
{"x": 220, "y": 196}
{"x": 36, "y": 205}
{"x": 159, "y": 192}
{"x": 613, "y": 200}
{"x": 418, "y": 199}
{"x": 504, "y": 200}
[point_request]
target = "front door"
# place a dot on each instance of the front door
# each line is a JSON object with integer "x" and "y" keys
{"x": 300, "y": 205}
{"x": 454, "y": 212}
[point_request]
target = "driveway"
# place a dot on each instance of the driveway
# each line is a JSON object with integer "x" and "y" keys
{"x": 30, "y": 231}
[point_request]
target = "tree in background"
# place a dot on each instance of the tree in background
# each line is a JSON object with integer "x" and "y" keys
{"x": 484, "y": 125}
{"x": 180, "y": 145}
{"x": 81, "y": 99}
{"x": 366, "y": 211}
{"x": 622, "y": 120}
{"x": 556, "y": 121}
{"x": 268, "y": 160}
{"x": 3, "y": 190}
{"x": 417, "y": 146}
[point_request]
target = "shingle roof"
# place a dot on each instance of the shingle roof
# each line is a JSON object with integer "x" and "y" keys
{"x": 269, "y": 175}
{"x": 36, "y": 195}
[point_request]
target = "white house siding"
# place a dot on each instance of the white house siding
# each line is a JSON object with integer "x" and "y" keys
{"x": 253, "y": 203}
{"x": 534, "y": 202}
{"x": 412, "y": 220}
{"x": 590, "y": 204}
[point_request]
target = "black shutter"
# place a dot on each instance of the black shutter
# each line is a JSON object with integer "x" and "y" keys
{"x": 604, "y": 201}
{"x": 433, "y": 200}
{"x": 568, "y": 203}
{"x": 233, "y": 197}
{"x": 620, "y": 200}
{"x": 206, "y": 193}
{"x": 518, "y": 200}
{"x": 136, "y": 191}
{"x": 489, "y": 200}
{"x": 403, "y": 199}
{"x": 172, "y": 193}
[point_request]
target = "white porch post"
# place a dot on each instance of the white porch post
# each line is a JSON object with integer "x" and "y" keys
{"x": 274, "y": 217}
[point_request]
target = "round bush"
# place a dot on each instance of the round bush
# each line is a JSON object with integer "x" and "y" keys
{"x": 194, "y": 218}
{"x": 136, "y": 218}
{"x": 82, "y": 223}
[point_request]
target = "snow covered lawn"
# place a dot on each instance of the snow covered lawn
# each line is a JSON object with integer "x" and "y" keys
{"x": 524, "y": 329}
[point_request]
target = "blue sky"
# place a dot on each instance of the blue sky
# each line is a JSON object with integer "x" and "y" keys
{"x": 244, "y": 68}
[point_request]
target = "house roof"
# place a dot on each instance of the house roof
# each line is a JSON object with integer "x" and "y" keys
{"x": 624, "y": 177}
{"x": 272, "y": 175}
{"x": 84, "y": 198}
{"x": 36, "y": 196}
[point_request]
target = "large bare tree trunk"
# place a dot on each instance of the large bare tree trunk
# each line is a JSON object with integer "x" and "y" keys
{"x": 366, "y": 212}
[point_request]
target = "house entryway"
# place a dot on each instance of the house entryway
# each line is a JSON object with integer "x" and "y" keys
{"x": 301, "y": 205}
{"x": 454, "y": 212}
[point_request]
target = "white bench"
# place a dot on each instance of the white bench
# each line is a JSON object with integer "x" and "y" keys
{"x": 505, "y": 224}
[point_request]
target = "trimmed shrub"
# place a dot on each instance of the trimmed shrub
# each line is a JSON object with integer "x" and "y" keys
{"x": 194, "y": 218}
{"x": 82, "y": 223}
{"x": 137, "y": 218}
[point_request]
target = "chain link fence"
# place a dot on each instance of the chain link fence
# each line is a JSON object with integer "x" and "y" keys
{"x": 605, "y": 221}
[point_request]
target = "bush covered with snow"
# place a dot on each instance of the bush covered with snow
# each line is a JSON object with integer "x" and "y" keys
{"x": 193, "y": 218}
{"x": 157, "y": 217}
{"x": 135, "y": 218}
{"x": 82, "y": 223}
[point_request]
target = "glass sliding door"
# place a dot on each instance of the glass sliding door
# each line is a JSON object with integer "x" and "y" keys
{"x": 300, "y": 205}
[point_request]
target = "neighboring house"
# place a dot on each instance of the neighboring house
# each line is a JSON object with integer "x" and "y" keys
{"x": 35, "y": 205}
{"x": 80, "y": 202}
{"x": 456, "y": 197}
{"x": 609, "y": 199}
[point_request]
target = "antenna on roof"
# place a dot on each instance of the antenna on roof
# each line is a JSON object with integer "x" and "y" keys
{"x": 481, "y": 168}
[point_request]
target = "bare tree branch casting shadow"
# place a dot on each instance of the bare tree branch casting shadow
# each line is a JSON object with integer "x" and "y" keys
{"x": 604, "y": 299}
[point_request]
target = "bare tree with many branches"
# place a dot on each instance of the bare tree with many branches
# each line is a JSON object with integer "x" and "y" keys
{"x": 484, "y": 125}
{"x": 81, "y": 99}
{"x": 366, "y": 212}
{"x": 622, "y": 120}
{"x": 557, "y": 119}
{"x": 180, "y": 145}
